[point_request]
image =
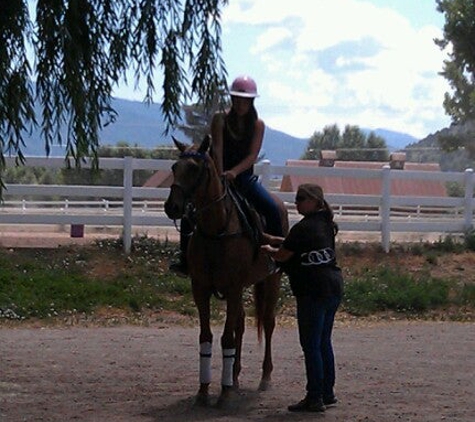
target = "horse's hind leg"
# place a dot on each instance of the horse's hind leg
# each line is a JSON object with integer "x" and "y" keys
{"x": 271, "y": 288}
{"x": 202, "y": 300}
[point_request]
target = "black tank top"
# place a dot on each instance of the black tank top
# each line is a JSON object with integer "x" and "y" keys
{"x": 235, "y": 149}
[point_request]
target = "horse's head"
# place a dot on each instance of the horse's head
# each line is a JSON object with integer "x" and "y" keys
{"x": 189, "y": 172}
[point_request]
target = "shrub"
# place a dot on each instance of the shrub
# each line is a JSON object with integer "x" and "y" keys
{"x": 388, "y": 290}
{"x": 469, "y": 240}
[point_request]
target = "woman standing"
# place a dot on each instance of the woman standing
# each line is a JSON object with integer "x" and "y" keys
{"x": 308, "y": 256}
{"x": 237, "y": 136}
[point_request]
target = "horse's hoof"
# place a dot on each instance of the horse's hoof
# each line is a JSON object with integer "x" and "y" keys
{"x": 202, "y": 400}
{"x": 225, "y": 398}
{"x": 265, "y": 385}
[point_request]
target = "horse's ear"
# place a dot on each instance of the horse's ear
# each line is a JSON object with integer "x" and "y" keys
{"x": 204, "y": 144}
{"x": 180, "y": 145}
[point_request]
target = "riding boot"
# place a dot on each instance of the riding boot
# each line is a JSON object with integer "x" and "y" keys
{"x": 180, "y": 267}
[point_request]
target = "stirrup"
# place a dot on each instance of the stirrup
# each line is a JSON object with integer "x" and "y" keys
{"x": 179, "y": 268}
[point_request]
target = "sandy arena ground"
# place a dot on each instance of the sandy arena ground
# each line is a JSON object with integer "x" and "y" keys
{"x": 387, "y": 371}
{"x": 399, "y": 371}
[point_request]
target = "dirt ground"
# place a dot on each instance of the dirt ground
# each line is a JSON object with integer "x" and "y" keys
{"x": 52, "y": 236}
{"x": 410, "y": 371}
{"x": 386, "y": 372}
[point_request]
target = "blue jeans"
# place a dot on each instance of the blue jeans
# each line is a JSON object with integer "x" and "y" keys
{"x": 262, "y": 200}
{"x": 315, "y": 318}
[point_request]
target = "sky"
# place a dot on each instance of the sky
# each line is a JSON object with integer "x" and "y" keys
{"x": 370, "y": 63}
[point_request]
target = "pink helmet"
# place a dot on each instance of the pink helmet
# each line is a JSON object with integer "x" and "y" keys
{"x": 244, "y": 86}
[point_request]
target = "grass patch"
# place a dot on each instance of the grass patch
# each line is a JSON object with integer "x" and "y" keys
{"x": 56, "y": 283}
{"x": 387, "y": 289}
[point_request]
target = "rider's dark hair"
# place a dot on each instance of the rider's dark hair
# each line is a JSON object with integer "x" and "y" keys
{"x": 247, "y": 130}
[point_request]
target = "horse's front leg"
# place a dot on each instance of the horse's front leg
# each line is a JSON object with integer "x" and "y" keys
{"x": 229, "y": 344}
{"x": 202, "y": 301}
{"x": 239, "y": 333}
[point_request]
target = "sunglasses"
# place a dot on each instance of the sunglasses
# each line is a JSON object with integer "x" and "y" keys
{"x": 300, "y": 198}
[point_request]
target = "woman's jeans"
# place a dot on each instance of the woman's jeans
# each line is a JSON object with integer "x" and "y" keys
{"x": 262, "y": 200}
{"x": 257, "y": 195}
{"x": 315, "y": 321}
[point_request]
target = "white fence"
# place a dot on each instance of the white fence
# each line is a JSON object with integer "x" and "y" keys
{"x": 127, "y": 206}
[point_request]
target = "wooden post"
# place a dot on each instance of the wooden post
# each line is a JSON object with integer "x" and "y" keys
{"x": 265, "y": 176}
{"x": 385, "y": 209}
{"x": 469, "y": 201}
{"x": 127, "y": 230}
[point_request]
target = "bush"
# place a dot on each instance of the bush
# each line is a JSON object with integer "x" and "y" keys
{"x": 388, "y": 290}
{"x": 469, "y": 240}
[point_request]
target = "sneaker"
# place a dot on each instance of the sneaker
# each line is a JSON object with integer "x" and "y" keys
{"x": 328, "y": 401}
{"x": 307, "y": 405}
{"x": 179, "y": 268}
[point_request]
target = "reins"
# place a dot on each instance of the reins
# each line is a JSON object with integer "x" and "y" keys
{"x": 188, "y": 194}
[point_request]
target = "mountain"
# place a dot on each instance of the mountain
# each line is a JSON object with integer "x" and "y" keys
{"x": 278, "y": 147}
{"x": 143, "y": 125}
{"x": 137, "y": 124}
{"x": 394, "y": 140}
{"x": 429, "y": 148}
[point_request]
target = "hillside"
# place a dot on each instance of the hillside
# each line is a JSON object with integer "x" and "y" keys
{"x": 428, "y": 150}
{"x": 143, "y": 125}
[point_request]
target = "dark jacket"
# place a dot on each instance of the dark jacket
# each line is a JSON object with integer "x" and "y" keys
{"x": 313, "y": 269}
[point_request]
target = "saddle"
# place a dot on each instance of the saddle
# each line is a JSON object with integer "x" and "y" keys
{"x": 250, "y": 219}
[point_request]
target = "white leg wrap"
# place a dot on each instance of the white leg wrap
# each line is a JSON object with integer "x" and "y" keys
{"x": 229, "y": 355}
{"x": 205, "y": 362}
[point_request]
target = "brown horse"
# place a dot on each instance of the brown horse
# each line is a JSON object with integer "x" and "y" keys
{"x": 222, "y": 261}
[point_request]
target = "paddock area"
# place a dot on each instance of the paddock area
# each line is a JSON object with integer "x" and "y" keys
{"x": 388, "y": 371}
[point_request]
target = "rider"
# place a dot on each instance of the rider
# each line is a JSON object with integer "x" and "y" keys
{"x": 237, "y": 136}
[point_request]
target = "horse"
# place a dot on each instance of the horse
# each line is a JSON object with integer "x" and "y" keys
{"x": 223, "y": 260}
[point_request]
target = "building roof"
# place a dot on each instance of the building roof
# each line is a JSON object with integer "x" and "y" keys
{"x": 159, "y": 179}
{"x": 355, "y": 186}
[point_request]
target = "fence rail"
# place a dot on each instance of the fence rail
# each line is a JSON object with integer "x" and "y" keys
{"x": 127, "y": 205}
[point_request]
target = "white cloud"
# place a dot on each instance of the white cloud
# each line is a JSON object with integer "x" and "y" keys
{"x": 321, "y": 62}
{"x": 270, "y": 38}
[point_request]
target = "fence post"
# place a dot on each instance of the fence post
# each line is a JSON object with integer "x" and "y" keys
{"x": 385, "y": 209}
{"x": 127, "y": 229}
{"x": 469, "y": 201}
{"x": 265, "y": 176}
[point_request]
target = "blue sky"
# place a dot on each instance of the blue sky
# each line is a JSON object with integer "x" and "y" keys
{"x": 371, "y": 63}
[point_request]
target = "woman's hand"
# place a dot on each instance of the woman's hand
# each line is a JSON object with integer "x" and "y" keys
{"x": 268, "y": 249}
{"x": 279, "y": 254}
{"x": 268, "y": 239}
{"x": 230, "y": 175}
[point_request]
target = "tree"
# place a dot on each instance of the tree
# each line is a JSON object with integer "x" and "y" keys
{"x": 328, "y": 139}
{"x": 82, "y": 49}
{"x": 198, "y": 118}
{"x": 352, "y": 144}
{"x": 459, "y": 69}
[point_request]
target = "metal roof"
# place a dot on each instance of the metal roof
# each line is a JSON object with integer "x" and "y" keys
{"x": 355, "y": 186}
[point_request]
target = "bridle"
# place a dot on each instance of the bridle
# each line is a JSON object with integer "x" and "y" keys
{"x": 189, "y": 193}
